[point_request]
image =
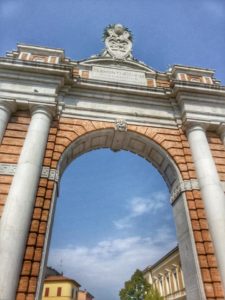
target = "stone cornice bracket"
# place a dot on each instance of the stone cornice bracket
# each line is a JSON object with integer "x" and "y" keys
{"x": 120, "y": 125}
{"x": 183, "y": 186}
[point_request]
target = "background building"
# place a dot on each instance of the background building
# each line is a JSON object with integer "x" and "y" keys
{"x": 166, "y": 275}
{"x": 51, "y": 271}
{"x": 84, "y": 295}
{"x": 60, "y": 287}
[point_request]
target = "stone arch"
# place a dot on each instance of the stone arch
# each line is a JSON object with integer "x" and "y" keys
{"x": 123, "y": 140}
{"x": 156, "y": 147}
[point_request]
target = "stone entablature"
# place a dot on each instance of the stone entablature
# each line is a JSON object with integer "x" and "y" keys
{"x": 163, "y": 99}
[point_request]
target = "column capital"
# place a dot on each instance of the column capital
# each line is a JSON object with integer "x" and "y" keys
{"x": 221, "y": 132}
{"x": 8, "y": 105}
{"x": 221, "y": 129}
{"x": 191, "y": 125}
{"x": 48, "y": 110}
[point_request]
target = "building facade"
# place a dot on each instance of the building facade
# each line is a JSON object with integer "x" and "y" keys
{"x": 59, "y": 287}
{"x": 166, "y": 276}
{"x": 53, "y": 109}
{"x": 84, "y": 295}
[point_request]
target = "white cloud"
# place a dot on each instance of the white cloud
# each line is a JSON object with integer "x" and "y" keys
{"x": 123, "y": 223}
{"x": 139, "y": 206}
{"x": 104, "y": 268}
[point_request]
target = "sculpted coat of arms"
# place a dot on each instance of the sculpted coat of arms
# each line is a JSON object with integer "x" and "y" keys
{"x": 118, "y": 42}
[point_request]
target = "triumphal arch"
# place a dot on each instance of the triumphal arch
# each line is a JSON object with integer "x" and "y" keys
{"x": 53, "y": 109}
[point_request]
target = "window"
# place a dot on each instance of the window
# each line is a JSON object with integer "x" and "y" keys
{"x": 73, "y": 294}
{"x": 59, "y": 291}
{"x": 46, "y": 292}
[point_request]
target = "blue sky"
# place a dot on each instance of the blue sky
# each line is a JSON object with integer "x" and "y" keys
{"x": 115, "y": 187}
{"x": 113, "y": 216}
{"x": 188, "y": 32}
{"x": 107, "y": 221}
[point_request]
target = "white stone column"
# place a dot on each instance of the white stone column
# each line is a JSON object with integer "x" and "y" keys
{"x": 211, "y": 191}
{"x": 6, "y": 109}
{"x": 19, "y": 205}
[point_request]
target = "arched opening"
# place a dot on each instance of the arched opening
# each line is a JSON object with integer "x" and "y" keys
{"x": 148, "y": 149}
{"x": 119, "y": 219}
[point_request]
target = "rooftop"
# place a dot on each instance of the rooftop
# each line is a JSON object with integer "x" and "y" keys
{"x": 57, "y": 278}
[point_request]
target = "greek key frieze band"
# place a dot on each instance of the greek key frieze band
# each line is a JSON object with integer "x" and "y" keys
{"x": 51, "y": 174}
{"x": 183, "y": 186}
{"x": 9, "y": 169}
{"x": 186, "y": 185}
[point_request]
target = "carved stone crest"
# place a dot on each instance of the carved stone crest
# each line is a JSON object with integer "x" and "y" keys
{"x": 118, "y": 42}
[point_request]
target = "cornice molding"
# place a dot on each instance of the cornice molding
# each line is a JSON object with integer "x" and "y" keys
{"x": 14, "y": 63}
{"x": 122, "y": 87}
{"x": 197, "y": 87}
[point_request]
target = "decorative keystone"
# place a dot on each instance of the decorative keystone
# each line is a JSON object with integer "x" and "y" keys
{"x": 120, "y": 125}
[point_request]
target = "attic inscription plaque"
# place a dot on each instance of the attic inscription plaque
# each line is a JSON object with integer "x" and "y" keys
{"x": 118, "y": 75}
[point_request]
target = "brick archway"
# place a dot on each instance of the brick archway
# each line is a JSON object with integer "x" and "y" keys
{"x": 165, "y": 148}
{"x": 154, "y": 145}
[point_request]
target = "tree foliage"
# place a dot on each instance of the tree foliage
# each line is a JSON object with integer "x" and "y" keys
{"x": 136, "y": 288}
{"x": 153, "y": 294}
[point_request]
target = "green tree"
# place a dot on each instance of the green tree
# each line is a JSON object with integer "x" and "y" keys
{"x": 136, "y": 288}
{"x": 153, "y": 294}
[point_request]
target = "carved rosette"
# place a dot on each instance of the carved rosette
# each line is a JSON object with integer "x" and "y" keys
{"x": 118, "y": 42}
